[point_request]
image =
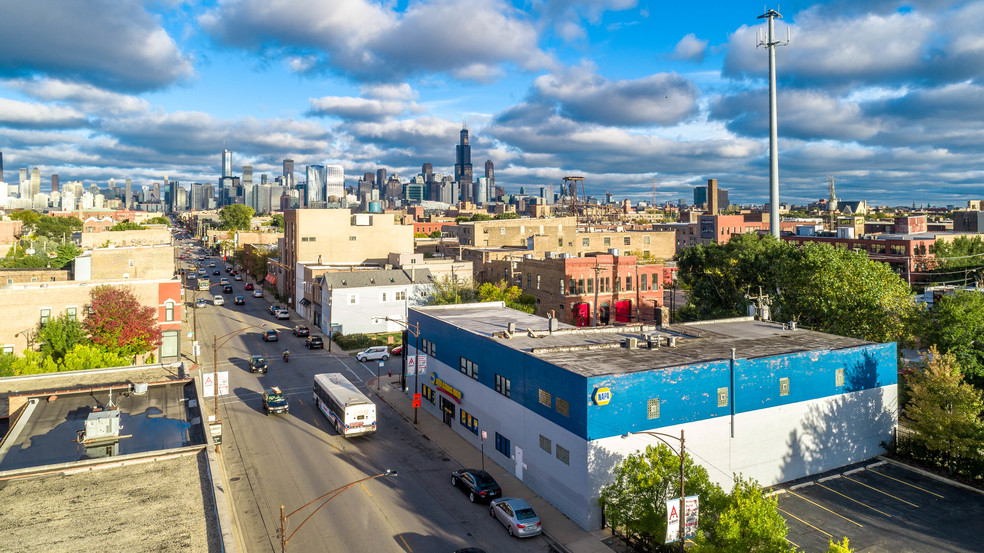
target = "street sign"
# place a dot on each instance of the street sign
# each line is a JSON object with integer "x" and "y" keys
{"x": 485, "y": 435}
{"x": 412, "y": 364}
{"x": 416, "y": 403}
{"x": 416, "y": 397}
{"x": 673, "y": 518}
{"x": 208, "y": 384}
{"x": 382, "y": 364}
{"x": 422, "y": 363}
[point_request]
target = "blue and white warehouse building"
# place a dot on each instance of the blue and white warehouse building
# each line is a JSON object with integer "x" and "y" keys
{"x": 772, "y": 402}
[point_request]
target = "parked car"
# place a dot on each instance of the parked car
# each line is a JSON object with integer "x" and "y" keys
{"x": 517, "y": 516}
{"x": 227, "y": 289}
{"x": 216, "y": 272}
{"x": 200, "y": 302}
{"x": 218, "y": 300}
{"x": 192, "y": 276}
{"x": 274, "y": 401}
{"x": 239, "y": 300}
{"x": 374, "y": 353}
{"x": 478, "y": 484}
{"x": 314, "y": 342}
{"x": 301, "y": 331}
{"x": 271, "y": 335}
{"x": 398, "y": 350}
{"x": 223, "y": 281}
{"x": 248, "y": 286}
{"x": 282, "y": 313}
{"x": 257, "y": 364}
{"x": 237, "y": 277}
{"x": 274, "y": 308}
{"x": 257, "y": 293}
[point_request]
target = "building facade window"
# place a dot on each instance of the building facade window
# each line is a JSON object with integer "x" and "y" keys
{"x": 169, "y": 344}
{"x": 468, "y": 367}
{"x": 546, "y": 444}
{"x": 428, "y": 347}
{"x": 627, "y": 241}
{"x": 545, "y": 398}
{"x": 502, "y": 385}
{"x": 72, "y": 313}
{"x": 585, "y": 242}
{"x": 502, "y": 445}
{"x": 563, "y": 455}
{"x": 45, "y": 316}
{"x": 468, "y": 421}
{"x": 537, "y": 282}
{"x": 591, "y": 286}
{"x": 169, "y": 311}
{"x": 652, "y": 408}
{"x": 563, "y": 407}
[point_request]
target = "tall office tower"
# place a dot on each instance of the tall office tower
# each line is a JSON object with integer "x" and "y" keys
{"x": 208, "y": 194}
{"x": 111, "y": 185}
{"x": 334, "y": 181}
{"x": 68, "y": 199}
{"x": 700, "y": 196}
{"x": 394, "y": 188}
{"x": 128, "y": 194}
{"x": 427, "y": 170}
{"x": 370, "y": 178}
{"x": 247, "y": 175}
{"x": 712, "y": 196}
{"x": 35, "y": 181}
{"x": 170, "y": 196}
{"x": 54, "y": 181}
{"x": 365, "y": 188}
{"x": 264, "y": 178}
{"x": 3, "y": 194}
{"x": 23, "y": 175}
{"x": 381, "y": 178}
{"x": 490, "y": 173}
{"x": 315, "y": 192}
{"x": 156, "y": 194}
{"x": 226, "y": 163}
{"x": 481, "y": 195}
{"x": 463, "y": 166}
{"x": 1, "y": 174}
{"x": 288, "y": 173}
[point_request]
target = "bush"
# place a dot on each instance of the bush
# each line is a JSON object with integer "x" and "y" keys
{"x": 363, "y": 341}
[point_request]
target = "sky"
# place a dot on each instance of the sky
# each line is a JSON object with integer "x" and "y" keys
{"x": 644, "y": 99}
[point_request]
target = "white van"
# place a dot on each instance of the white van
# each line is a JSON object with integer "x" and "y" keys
{"x": 373, "y": 354}
{"x": 218, "y": 300}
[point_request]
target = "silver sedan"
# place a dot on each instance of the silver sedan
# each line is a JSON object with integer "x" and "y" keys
{"x": 517, "y": 516}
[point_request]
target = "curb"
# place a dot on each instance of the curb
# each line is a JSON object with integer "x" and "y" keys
{"x": 932, "y": 475}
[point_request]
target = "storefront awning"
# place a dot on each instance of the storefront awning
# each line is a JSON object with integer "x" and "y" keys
{"x": 272, "y": 279}
{"x": 305, "y": 302}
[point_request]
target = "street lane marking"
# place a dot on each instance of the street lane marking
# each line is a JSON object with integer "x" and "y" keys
{"x": 826, "y": 509}
{"x": 405, "y": 543}
{"x": 806, "y": 523}
{"x": 855, "y": 500}
{"x": 882, "y": 492}
{"x": 906, "y": 483}
{"x": 791, "y": 542}
{"x": 366, "y": 489}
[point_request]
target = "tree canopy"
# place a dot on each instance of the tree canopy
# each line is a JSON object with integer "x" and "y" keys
{"x": 159, "y": 220}
{"x": 749, "y": 521}
{"x": 511, "y": 295}
{"x": 127, "y": 225}
{"x": 449, "y": 290}
{"x": 277, "y": 220}
{"x": 960, "y": 261}
{"x": 119, "y": 323}
{"x": 59, "y": 335}
{"x": 235, "y": 217}
{"x": 47, "y": 226}
{"x": 955, "y": 326}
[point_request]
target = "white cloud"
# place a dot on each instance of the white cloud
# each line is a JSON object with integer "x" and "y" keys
{"x": 690, "y": 48}
{"x": 23, "y": 114}
{"x": 86, "y": 97}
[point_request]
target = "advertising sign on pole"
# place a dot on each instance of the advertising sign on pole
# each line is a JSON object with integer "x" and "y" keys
{"x": 422, "y": 363}
{"x": 208, "y": 384}
{"x": 412, "y": 364}
{"x": 673, "y": 518}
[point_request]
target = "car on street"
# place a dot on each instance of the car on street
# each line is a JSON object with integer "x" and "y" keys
{"x": 257, "y": 364}
{"x": 271, "y": 335}
{"x": 282, "y": 313}
{"x": 314, "y": 342}
{"x": 274, "y": 308}
{"x": 192, "y": 276}
{"x": 200, "y": 302}
{"x": 374, "y": 353}
{"x": 239, "y": 300}
{"x": 237, "y": 277}
{"x": 398, "y": 350}
{"x": 257, "y": 293}
{"x": 517, "y": 516}
{"x": 469, "y": 550}
{"x": 211, "y": 264}
{"x": 478, "y": 484}
{"x": 274, "y": 401}
{"x": 216, "y": 272}
{"x": 223, "y": 281}
{"x": 248, "y": 286}
{"x": 218, "y": 300}
{"x": 227, "y": 289}
{"x": 301, "y": 331}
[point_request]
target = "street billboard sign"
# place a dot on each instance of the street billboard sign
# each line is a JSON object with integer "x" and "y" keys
{"x": 208, "y": 383}
{"x": 673, "y": 518}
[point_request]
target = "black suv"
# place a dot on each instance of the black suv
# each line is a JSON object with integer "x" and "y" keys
{"x": 301, "y": 331}
{"x": 257, "y": 364}
{"x": 314, "y": 342}
{"x": 274, "y": 401}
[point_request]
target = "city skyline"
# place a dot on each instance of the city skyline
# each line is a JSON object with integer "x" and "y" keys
{"x": 883, "y": 97}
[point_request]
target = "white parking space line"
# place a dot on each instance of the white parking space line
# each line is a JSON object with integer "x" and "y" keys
{"x": 347, "y": 368}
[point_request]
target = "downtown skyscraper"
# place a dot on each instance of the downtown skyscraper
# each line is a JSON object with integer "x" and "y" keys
{"x": 463, "y": 166}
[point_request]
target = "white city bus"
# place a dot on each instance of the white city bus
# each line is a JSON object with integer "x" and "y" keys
{"x": 345, "y": 406}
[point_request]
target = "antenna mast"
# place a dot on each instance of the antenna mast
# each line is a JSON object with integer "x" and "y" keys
{"x": 832, "y": 208}
{"x": 770, "y": 42}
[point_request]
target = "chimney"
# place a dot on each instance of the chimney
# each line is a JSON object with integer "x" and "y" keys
{"x": 511, "y": 328}
{"x": 552, "y": 323}
{"x": 320, "y": 262}
{"x": 712, "y": 196}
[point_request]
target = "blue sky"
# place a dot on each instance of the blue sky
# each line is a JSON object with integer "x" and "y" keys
{"x": 884, "y": 96}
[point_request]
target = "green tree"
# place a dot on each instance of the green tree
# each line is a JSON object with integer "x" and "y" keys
{"x": 511, "y": 295}
{"x": 955, "y": 325}
{"x": 256, "y": 265}
{"x": 480, "y": 217}
{"x": 435, "y": 234}
{"x": 159, "y": 220}
{"x": 944, "y": 412}
{"x": 448, "y": 290}
{"x": 65, "y": 253}
{"x": 749, "y": 521}
{"x": 127, "y": 225}
{"x": 28, "y": 217}
{"x": 91, "y": 356}
{"x": 235, "y": 217}
{"x": 841, "y": 291}
{"x": 59, "y": 335}
{"x": 635, "y": 500}
{"x": 961, "y": 258}
{"x": 277, "y": 220}
{"x": 840, "y": 547}
{"x": 118, "y": 322}
{"x": 508, "y": 215}
{"x": 59, "y": 228}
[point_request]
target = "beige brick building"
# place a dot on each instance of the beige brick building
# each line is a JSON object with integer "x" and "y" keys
{"x": 139, "y": 262}
{"x": 336, "y": 237}
{"x": 147, "y": 237}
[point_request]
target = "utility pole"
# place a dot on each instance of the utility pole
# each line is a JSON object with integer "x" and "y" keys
{"x": 770, "y": 42}
{"x": 597, "y": 270}
{"x": 331, "y": 295}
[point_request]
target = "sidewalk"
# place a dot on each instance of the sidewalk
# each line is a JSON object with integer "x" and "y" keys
{"x": 564, "y": 535}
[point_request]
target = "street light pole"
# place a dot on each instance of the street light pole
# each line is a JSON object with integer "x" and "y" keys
{"x": 285, "y": 539}
{"x": 215, "y": 362}
{"x": 683, "y": 459}
{"x": 413, "y": 329}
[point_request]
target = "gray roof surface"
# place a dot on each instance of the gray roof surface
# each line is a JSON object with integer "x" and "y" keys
{"x": 598, "y": 352}
{"x": 381, "y": 277}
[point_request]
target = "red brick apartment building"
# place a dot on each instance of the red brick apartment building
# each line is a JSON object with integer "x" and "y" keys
{"x": 608, "y": 287}
{"x": 425, "y": 227}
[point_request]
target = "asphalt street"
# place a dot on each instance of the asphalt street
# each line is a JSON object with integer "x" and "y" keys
{"x": 292, "y": 459}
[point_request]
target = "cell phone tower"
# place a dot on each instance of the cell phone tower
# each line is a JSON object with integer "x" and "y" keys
{"x": 770, "y": 42}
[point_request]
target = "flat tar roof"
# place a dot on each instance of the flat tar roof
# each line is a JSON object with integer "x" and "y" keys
{"x": 597, "y": 351}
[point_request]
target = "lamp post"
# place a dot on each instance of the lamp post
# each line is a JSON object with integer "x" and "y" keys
{"x": 414, "y": 329}
{"x": 215, "y": 361}
{"x": 285, "y": 539}
{"x": 683, "y": 458}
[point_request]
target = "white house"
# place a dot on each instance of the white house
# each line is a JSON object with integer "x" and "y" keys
{"x": 360, "y": 301}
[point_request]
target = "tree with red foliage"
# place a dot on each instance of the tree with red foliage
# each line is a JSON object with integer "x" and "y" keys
{"x": 117, "y": 321}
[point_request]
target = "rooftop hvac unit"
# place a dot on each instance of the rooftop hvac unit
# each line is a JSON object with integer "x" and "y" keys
{"x": 630, "y": 343}
{"x": 613, "y": 251}
{"x": 140, "y": 388}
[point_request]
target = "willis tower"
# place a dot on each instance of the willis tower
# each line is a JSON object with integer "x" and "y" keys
{"x": 463, "y": 166}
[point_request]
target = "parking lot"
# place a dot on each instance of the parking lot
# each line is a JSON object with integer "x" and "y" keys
{"x": 880, "y": 507}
